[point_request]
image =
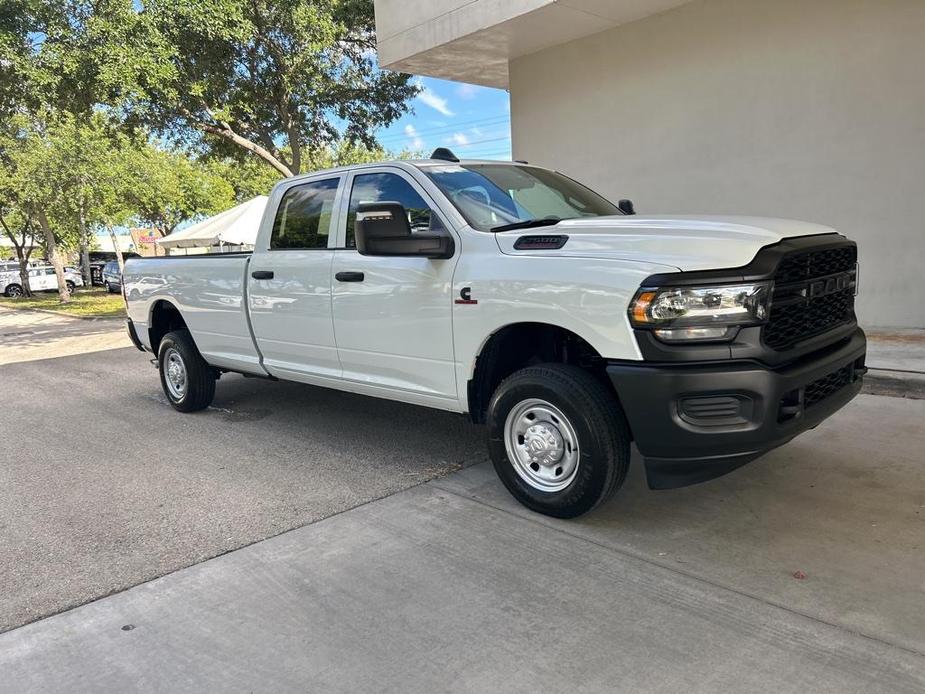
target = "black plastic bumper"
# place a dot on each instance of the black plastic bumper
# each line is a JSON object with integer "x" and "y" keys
{"x": 133, "y": 336}
{"x": 694, "y": 422}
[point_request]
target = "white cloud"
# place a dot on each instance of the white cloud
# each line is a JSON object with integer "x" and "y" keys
{"x": 414, "y": 140}
{"x": 429, "y": 98}
{"x": 467, "y": 91}
{"x": 458, "y": 139}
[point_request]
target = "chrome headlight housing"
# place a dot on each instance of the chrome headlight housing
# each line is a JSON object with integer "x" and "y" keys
{"x": 700, "y": 313}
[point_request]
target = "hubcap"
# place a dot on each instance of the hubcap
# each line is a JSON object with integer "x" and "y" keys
{"x": 15, "y": 291}
{"x": 542, "y": 445}
{"x": 175, "y": 373}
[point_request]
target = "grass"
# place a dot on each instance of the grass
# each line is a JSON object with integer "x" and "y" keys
{"x": 84, "y": 302}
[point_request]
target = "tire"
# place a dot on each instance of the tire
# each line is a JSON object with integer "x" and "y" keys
{"x": 14, "y": 290}
{"x": 108, "y": 287}
{"x": 71, "y": 287}
{"x": 575, "y": 417}
{"x": 189, "y": 383}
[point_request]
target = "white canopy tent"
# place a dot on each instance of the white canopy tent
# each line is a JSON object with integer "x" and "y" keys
{"x": 235, "y": 227}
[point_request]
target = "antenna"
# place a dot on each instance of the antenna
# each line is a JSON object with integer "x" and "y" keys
{"x": 444, "y": 154}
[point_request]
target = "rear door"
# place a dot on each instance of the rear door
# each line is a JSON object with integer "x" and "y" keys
{"x": 47, "y": 278}
{"x": 289, "y": 282}
{"x": 392, "y": 315}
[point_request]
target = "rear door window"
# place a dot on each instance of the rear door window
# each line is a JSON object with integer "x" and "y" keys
{"x": 303, "y": 220}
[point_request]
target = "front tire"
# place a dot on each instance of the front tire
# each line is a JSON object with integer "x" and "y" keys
{"x": 558, "y": 439}
{"x": 14, "y": 290}
{"x": 71, "y": 287}
{"x": 188, "y": 381}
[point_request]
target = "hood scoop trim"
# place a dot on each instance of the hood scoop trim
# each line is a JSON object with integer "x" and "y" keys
{"x": 540, "y": 242}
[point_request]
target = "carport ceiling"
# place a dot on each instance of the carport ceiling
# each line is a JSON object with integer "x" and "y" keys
{"x": 474, "y": 41}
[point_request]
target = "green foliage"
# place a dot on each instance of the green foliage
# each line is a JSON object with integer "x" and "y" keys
{"x": 276, "y": 78}
{"x": 168, "y": 187}
{"x": 85, "y": 85}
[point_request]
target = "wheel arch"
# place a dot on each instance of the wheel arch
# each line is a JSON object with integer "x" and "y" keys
{"x": 516, "y": 345}
{"x": 164, "y": 317}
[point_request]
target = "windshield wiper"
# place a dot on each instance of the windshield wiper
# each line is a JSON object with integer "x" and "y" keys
{"x": 528, "y": 223}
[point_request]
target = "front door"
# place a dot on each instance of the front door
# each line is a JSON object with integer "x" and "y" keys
{"x": 392, "y": 315}
{"x": 289, "y": 284}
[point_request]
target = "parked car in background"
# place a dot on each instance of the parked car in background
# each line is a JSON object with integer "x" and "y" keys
{"x": 41, "y": 279}
{"x": 112, "y": 278}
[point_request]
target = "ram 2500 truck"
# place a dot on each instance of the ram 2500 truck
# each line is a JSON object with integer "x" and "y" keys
{"x": 568, "y": 325}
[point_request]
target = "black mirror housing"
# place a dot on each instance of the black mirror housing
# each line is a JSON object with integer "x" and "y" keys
{"x": 382, "y": 228}
{"x": 626, "y": 207}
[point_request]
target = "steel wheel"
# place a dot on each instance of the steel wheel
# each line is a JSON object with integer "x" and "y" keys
{"x": 542, "y": 445}
{"x": 175, "y": 373}
{"x": 14, "y": 290}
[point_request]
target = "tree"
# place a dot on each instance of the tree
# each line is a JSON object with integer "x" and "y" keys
{"x": 166, "y": 187}
{"x": 50, "y": 59}
{"x": 276, "y": 78}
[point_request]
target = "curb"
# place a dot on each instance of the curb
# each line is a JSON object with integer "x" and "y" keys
{"x": 895, "y": 384}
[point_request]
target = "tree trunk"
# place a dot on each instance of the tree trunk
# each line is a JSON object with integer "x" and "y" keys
{"x": 115, "y": 245}
{"x": 84, "y": 246}
{"x": 22, "y": 255}
{"x": 23, "y": 273}
{"x": 54, "y": 255}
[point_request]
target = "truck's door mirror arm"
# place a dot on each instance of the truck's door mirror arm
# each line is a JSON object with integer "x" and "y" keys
{"x": 382, "y": 228}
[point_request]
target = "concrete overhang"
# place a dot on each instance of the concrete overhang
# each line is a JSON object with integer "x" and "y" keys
{"x": 474, "y": 40}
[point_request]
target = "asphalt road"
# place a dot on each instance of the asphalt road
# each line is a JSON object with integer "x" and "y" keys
{"x": 103, "y": 485}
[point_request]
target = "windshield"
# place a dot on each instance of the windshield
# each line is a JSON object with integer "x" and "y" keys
{"x": 495, "y": 195}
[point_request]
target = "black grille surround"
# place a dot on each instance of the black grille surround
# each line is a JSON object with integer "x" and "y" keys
{"x": 809, "y": 312}
{"x": 813, "y": 293}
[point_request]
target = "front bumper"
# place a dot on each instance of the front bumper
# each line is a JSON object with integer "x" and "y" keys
{"x": 696, "y": 421}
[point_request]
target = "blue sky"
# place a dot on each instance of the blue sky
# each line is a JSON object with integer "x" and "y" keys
{"x": 475, "y": 122}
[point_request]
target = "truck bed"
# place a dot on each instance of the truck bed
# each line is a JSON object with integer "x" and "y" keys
{"x": 209, "y": 291}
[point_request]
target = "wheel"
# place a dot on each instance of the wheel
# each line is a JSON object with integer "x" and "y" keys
{"x": 558, "y": 439}
{"x": 14, "y": 290}
{"x": 188, "y": 381}
{"x": 110, "y": 289}
{"x": 71, "y": 287}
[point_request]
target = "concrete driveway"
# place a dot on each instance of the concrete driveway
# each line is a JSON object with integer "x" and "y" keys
{"x": 387, "y": 584}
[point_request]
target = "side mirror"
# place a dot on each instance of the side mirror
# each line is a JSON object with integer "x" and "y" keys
{"x": 382, "y": 228}
{"x": 626, "y": 207}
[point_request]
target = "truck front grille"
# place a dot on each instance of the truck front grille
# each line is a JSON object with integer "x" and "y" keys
{"x": 813, "y": 293}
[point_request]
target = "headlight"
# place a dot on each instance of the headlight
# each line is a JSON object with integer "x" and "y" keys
{"x": 700, "y": 313}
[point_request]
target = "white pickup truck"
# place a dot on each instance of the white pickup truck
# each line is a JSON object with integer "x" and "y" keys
{"x": 568, "y": 325}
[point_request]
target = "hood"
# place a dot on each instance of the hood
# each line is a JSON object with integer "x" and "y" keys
{"x": 689, "y": 242}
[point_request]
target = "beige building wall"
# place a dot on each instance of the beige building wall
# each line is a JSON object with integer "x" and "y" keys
{"x": 806, "y": 109}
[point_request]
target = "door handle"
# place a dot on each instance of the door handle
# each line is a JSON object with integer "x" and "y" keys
{"x": 262, "y": 274}
{"x": 349, "y": 276}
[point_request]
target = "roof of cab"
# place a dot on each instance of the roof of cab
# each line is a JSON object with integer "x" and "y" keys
{"x": 403, "y": 163}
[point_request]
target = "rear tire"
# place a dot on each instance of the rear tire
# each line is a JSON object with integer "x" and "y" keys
{"x": 558, "y": 439}
{"x": 188, "y": 381}
{"x": 14, "y": 290}
{"x": 71, "y": 287}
